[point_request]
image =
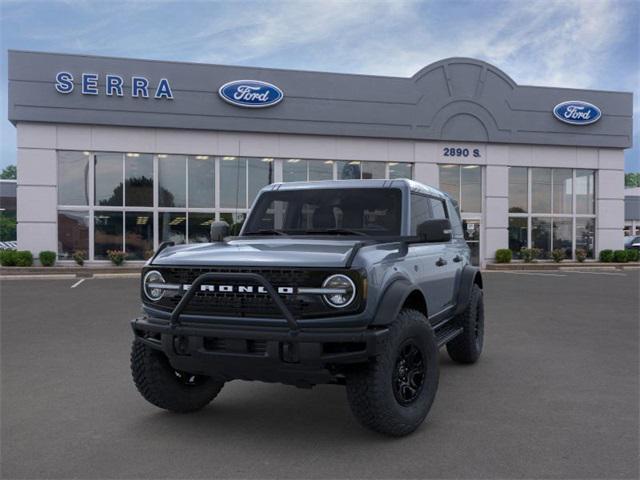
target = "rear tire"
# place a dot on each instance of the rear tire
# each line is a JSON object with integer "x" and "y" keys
{"x": 161, "y": 385}
{"x": 467, "y": 347}
{"x": 394, "y": 393}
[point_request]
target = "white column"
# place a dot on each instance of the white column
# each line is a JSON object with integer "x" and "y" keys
{"x": 610, "y": 200}
{"x": 495, "y": 211}
{"x": 37, "y": 188}
{"x": 427, "y": 173}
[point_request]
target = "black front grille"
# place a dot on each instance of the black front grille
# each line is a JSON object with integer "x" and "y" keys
{"x": 253, "y": 304}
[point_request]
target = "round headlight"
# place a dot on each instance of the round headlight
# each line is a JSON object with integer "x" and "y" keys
{"x": 150, "y": 285}
{"x": 344, "y": 290}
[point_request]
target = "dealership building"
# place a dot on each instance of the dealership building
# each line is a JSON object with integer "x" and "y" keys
{"x": 124, "y": 154}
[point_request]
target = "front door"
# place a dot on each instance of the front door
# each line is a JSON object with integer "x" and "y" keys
{"x": 471, "y": 229}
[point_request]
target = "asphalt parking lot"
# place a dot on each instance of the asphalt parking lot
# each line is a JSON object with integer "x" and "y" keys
{"x": 555, "y": 395}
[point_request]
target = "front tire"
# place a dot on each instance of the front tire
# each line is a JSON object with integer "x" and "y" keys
{"x": 467, "y": 347}
{"x": 163, "y": 386}
{"x": 394, "y": 393}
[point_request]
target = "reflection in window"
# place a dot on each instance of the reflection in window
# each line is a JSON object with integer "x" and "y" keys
{"x": 420, "y": 211}
{"x": 541, "y": 235}
{"x": 139, "y": 235}
{"x": 260, "y": 175}
{"x": 201, "y": 181}
{"x": 73, "y": 233}
{"x": 562, "y": 235}
{"x": 437, "y": 208}
{"x": 585, "y": 191}
{"x": 373, "y": 170}
{"x": 235, "y": 221}
{"x": 517, "y": 235}
{"x": 585, "y": 235}
{"x": 541, "y": 190}
{"x": 518, "y": 190}
{"x": 450, "y": 180}
{"x": 320, "y": 170}
{"x": 172, "y": 189}
{"x": 73, "y": 178}
{"x": 172, "y": 227}
{"x": 349, "y": 170}
{"x": 108, "y": 179}
{"x": 471, "y": 200}
{"x": 562, "y": 190}
{"x": 400, "y": 170}
{"x": 107, "y": 233}
{"x": 294, "y": 170}
{"x": 200, "y": 227}
{"x": 233, "y": 182}
{"x": 138, "y": 173}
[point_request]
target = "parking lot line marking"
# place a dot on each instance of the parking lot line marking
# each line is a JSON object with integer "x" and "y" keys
{"x": 599, "y": 273}
{"x": 535, "y": 273}
{"x": 78, "y": 283}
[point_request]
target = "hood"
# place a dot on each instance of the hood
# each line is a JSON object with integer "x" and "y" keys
{"x": 260, "y": 252}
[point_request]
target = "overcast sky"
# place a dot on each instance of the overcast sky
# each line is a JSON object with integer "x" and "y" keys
{"x": 566, "y": 43}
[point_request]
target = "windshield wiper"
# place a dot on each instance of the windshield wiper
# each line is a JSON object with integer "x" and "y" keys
{"x": 266, "y": 231}
{"x": 336, "y": 231}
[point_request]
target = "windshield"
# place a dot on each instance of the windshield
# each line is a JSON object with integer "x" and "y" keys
{"x": 358, "y": 211}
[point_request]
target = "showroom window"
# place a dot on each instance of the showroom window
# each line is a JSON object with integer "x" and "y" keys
{"x": 134, "y": 201}
{"x": 464, "y": 184}
{"x": 551, "y": 208}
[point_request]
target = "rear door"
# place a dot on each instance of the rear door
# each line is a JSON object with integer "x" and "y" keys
{"x": 449, "y": 262}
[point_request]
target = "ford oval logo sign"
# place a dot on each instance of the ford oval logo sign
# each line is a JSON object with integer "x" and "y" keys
{"x": 251, "y": 93}
{"x": 577, "y": 112}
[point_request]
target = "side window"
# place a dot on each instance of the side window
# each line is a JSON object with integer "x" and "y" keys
{"x": 454, "y": 217}
{"x": 420, "y": 211}
{"x": 438, "y": 208}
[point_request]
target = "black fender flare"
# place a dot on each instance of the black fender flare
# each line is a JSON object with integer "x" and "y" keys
{"x": 392, "y": 300}
{"x": 470, "y": 276}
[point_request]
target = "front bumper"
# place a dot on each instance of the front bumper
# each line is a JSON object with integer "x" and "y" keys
{"x": 271, "y": 354}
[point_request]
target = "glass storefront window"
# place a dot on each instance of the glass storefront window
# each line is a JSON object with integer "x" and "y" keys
{"x": 518, "y": 190}
{"x": 107, "y": 233}
{"x": 73, "y": 233}
{"x": 373, "y": 170}
{"x": 320, "y": 170}
{"x": 202, "y": 177}
{"x": 73, "y": 178}
{"x": 294, "y": 170}
{"x": 400, "y": 170}
{"x": 260, "y": 175}
{"x": 235, "y": 221}
{"x": 233, "y": 182}
{"x": 585, "y": 235}
{"x": 349, "y": 170}
{"x": 541, "y": 190}
{"x": 172, "y": 185}
{"x": 200, "y": 227}
{"x": 471, "y": 182}
{"x": 562, "y": 190}
{"x": 172, "y": 227}
{"x": 517, "y": 235}
{"x": 585, "y": 192}
{"x": 139, "y": 235}
{"x": 563, "y": 235}
{"x": 450, "y": 181}
{"x": 108, "y": 179}
{"x": 138, "y": 177}
{"x": 541, "y": 235}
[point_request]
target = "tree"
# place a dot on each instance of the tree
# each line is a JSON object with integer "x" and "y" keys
{"x": 632, "y": 180}
{"x": 9, "y": 173}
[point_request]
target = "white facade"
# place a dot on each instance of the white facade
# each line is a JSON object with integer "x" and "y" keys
{"x": 38, "y": 144}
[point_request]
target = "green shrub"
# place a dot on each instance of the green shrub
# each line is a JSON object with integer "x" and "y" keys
{"x": 148, "y": 254}
{"x": 606, "y": 255}
{"x": 620, "y": 256}
{"x": 24, "y": 258}
{"x": 503, "y": 255}
{"x": 558, "y": 255}
{"x": 117, "y": 257}
{"x": 581, "y": 254}
{"x": 47, "y": 258}
{"x": 526, "y": 254}
{"x": 80, "y": 256}
{"x": 633, "y": 255}
{"x": 8, "y": 258}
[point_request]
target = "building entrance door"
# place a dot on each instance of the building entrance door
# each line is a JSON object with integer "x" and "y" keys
{"x": 471, "y": 228}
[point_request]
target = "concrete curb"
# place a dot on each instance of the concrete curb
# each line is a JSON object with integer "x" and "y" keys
{"x": 561, "y": 266}
{"x": 80, "y": 272}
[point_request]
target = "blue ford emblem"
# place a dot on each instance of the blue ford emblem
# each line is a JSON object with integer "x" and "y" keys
{"x": 250, "y": 93}
{"x": 576, "y": 112}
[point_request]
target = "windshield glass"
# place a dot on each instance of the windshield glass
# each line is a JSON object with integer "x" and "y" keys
{"x": 361, "y": 211}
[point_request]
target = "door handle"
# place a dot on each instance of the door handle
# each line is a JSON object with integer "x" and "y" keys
{"x": 441, "y": 262}
{"x": 457, "y": 258}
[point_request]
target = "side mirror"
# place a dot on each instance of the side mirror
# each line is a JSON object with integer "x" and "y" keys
{"x": 435, "y": 230}
{"x": 219, "y": 230}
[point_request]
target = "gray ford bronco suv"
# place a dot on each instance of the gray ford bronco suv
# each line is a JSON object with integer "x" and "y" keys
{"x": 352, "y": 282}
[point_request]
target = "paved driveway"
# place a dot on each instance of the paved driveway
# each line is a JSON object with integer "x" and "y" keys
{"x": 555, "y": 395}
